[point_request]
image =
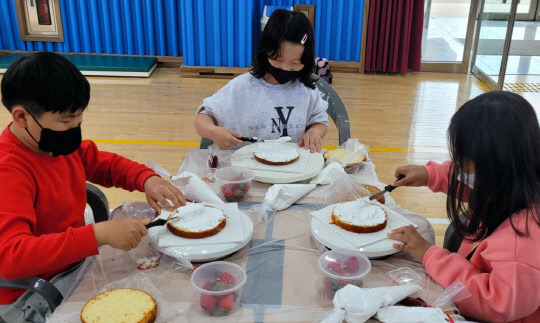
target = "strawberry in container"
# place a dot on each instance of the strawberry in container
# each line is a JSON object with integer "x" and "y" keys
{"x": 342, "y": 267}
{"x": 234, "y": 182}
{"x": 220, "y": 285}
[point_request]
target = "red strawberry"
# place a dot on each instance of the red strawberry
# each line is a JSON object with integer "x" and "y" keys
{"x": 340, "y": 271}
{"x": 227, "y": 192}
{"x": 351, "y": 265}
{"x": 208, "y": 302}
{"x": 327, "y": 284}
{"x": 227, "y": 302}
{"x": 226, "y": 277}
{"x": 335, "y": 267}
{"x": 208, "y": 285}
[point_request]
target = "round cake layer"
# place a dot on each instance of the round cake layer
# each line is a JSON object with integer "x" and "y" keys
{"x": 196, "y": 221}
{"x": 359, "y": 216}
{"x": 373, "y": 190}
{"x": 276, "y": 154}
{"x": 337, "y": 155}
{"x": 120, "y": 305}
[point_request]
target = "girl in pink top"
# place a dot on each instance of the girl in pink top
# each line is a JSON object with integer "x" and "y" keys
{"x": 494, "y": 179}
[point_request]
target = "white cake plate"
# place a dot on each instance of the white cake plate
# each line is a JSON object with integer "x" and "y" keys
{"x": 328, "y": 237}
{"x": 213, "y": 252}
{"x": 315, "y": 165}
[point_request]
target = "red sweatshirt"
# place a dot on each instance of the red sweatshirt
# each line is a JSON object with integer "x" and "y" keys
{"x": 42, "y": 229}
{"x": 503, "y": 274}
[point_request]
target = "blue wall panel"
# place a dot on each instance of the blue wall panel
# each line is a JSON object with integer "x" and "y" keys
{"x": 338, "y": 26}
{"x": 135, "y": 27}
{"x": 204, "y": 32}
{"x": 218, "y": 32}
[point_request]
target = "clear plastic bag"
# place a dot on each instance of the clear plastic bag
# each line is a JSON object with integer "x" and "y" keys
{"x": 354, "y": 152}
{"x": 138, "y": 210}
{"x": 355, "y": 304}
{"x": 182, "y": 263}
{"x": 279, "y": 197}
{"x": 328, "y": 174}
{"x": 166, "y": 311}
{"x": 158, "y": 169}
{"x": 194, "y": 188}
{"x": 345, "y": 188}
{"x": 457, "y": 291}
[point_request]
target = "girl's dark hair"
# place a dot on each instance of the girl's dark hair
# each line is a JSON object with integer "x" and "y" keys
{"x": 498, "y": 133}
{"x": 285, "y": 25}
{"x": 45, "y": 82}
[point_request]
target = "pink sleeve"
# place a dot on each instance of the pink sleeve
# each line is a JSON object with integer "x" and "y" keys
{"x": 108, "y": 169}
{"x": 438, "y": 176}
{"x": 507, "y": 293}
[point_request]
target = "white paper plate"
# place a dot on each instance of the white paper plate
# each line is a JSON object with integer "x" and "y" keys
{"x": 328, "y": 237}
{"x": 315, "y": 165}
{"x": 213, "y": 252}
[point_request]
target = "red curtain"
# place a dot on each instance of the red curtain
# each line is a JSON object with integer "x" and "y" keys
{"x": 394, "y": 35}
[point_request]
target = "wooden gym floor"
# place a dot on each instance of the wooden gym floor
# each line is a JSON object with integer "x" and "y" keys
{"x": 403, "y": 118}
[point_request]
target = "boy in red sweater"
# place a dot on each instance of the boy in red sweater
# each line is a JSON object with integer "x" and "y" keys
{"x": 44, "y": 166}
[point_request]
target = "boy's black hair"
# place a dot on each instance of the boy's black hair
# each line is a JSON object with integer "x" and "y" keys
{"x": 45, "y": 82}
{"x": 498, "y": 132}
{"x": 286, "y": 25}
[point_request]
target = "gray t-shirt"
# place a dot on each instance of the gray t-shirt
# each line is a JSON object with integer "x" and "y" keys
{"x": 255, "y": 108}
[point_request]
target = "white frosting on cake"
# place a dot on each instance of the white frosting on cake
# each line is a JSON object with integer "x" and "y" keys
{"x": 360, "y": 212}
{"x": 197, "y": 217}
{"x": 276, "y": 153}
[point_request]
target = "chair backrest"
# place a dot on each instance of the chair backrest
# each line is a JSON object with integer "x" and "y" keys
{"x": 98, "y": 203}
{"x": 336, "y": 111}
{"x": 452, "y": 240}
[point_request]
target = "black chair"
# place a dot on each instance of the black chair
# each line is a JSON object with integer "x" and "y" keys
{"x": 100, "y": 209}
{"x": 336, "y": 110}
{"x": 452, "y": 241}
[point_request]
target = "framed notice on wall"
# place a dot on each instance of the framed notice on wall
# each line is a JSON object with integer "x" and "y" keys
{"x": 308, "y": 10}
{"x": 39, "y": 20}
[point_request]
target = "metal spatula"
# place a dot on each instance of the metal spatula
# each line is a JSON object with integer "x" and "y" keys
{"x": 159, "y": 222}
{"x": 387, "y": 188}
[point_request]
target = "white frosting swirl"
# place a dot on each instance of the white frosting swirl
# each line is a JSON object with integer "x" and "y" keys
{"x": 196, "y": 217}
{"x": 360, "y": 212}
{"x": 276, "y": 153}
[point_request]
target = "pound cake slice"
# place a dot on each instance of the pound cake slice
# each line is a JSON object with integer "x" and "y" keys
{"x": 276, "y": 154}
{"x": 124, "y": 305}
{"x": 337, "y": 155}
{"x": 359, "y": 216}
{"x": 196, "y": 221}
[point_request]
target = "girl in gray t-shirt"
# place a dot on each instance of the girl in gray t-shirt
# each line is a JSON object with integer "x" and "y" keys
{"x": 277, "y": 97}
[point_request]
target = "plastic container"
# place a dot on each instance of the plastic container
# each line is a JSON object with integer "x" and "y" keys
{"x": 342, "y": 267}
{"x": 404, "y": 276}
{"x": 219, "y": 285}
{"x": 146, "y": 257}
{"x": 234, "y": 182}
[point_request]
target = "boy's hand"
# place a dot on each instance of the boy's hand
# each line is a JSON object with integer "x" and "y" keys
{"x": 415, "y": 175}
{"x": 225, "y": 138}
{"x": 414, "y": 243}
{"x": 159, "y": 190}
{"x": 311, "y": 141}
{"x": 122, "y": 233}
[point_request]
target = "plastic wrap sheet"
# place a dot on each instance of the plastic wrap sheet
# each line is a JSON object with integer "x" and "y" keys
{"x": 196, "y": 162}
{"x": 284, "y": 280}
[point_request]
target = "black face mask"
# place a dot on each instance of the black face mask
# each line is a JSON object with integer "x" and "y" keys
{"x": 58, "y": 142}
{"x": 282, "y": 76}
